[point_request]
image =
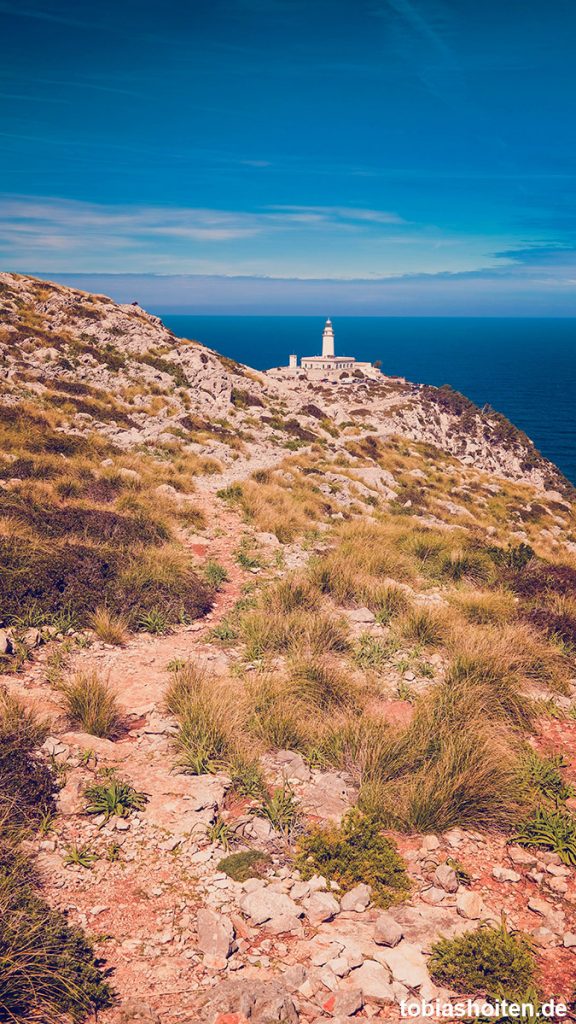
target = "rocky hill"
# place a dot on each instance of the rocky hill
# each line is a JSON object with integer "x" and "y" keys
{"x": 288, "y": 709}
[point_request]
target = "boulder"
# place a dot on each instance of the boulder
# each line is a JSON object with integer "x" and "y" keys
{"x": 321, "y": 906}
{"x": 357, "y": 899}
{"x": 6, "y": 644}
{"x": 407, "y": 964}
{"x": 265, "y": 905}
{"x": 258, "y": 1001}
{"x": 373, "y": 981}
{"x": 446, "y": 877}
{"x": 470, "y": 905}
{"x": 502, "y": 874}
{"x": 387, "y": 931}
{"x": 215, "y": 933}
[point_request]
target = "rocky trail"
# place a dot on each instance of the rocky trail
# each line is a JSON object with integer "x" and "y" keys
{"x": 187, "y": 943}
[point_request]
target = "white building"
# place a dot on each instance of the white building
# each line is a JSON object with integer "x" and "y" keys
{"x": 328, "y": 364}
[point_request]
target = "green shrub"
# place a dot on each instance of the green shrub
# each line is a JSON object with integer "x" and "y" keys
{"x": 280, "y": 808}
{"x": 489, "y": 961}
{"x": 543, "y": 774}
{"x": 215, "y": 574}
{"x": 244, "y": 865}
{"x": 116, "y": 798}
{"x": 550, "y": 830}
{"x": 356, "y": 851}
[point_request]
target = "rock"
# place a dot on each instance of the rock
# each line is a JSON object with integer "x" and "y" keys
{"x": 523, "y": 858}
{"x": 215, "y": 933}
{"x": 344, "y": 1004}
{"x": 502, "y": 874}
{"x": 373, "y": 981}
{"x": 321, "y": 906}
{"x": 360, "y": 615}
{"x": 326, "y": 796}
{"x": 293, "y": 766}
{"x": 407, "y": 964}
{"x": 357, "y": 899}
{"x": 540, "y": 907}
{"x": 387, "y": 932}
{"x": 264, "y": 905}
{"x": 470, "y": 905}
{"x": 128, "y": 474}
{"x": 284, "y": 924}
{"x": 71, "y": 798}
{"x": 136, "y": 1011}
{"x": 433, "y": 895}
{"x": 430, "y": 843}
{"x": 569, "y": 940}
{"x": 294, "y": 977}
{"x": 557, "y": 885}
{"x": 6, "y": 644}
{"x": 446, "y": 877}
{"x": 257, "y": 1000}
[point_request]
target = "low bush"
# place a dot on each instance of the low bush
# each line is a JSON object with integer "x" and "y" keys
{"x": 114, "y": 797}
{"x": 553, "y": 830}
{"x": 90, "y": 703}
{"x": 280, "y": 808}
{"x": 543, "y": 775}
{"x": 356, "y": 851}
{"x": 489, "y": 961}
{"x": 244, "y": 865}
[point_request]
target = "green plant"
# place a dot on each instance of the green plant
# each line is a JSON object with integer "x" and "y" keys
{"x": 215, "y": 574}
{"x": 550, "y": 830}
{"x": 244, "y": 865}
{"x": 113, "y": 853}
{"x": 117, "y": 798}
{"x": 154, "y": 621}
{"x": 220, "y": 832}
{"x": 543, "y": 775}
{"x": 82, "y": 856}
{"x": 463, "y": 876}
{"x": 356, "y": 851}
{"x": 175, "y": 665}
{"x": 109, "y": 627}
{"x": 246, "y": 776}
{"x": 490, "y": 961}
{"x": 90, "y": 702}
{"x": 225, "y": 632}
{"x": 369, "y": 652}
{"x": 280, "y": 808}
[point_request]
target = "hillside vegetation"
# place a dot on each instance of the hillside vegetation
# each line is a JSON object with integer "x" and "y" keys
{"x": 289, "y": 668}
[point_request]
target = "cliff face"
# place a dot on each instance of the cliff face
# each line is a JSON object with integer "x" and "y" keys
{"x": 145, "y": 384}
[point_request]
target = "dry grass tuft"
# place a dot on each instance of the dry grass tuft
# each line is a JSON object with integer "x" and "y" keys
{"x": 91, "y": 703}
{"x": 109, "y": 627}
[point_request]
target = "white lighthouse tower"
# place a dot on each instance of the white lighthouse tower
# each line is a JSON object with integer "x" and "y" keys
{"x": 328, "y": 341}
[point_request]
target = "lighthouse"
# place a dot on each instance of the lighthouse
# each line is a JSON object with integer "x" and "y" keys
{"x": 328, "y": 341}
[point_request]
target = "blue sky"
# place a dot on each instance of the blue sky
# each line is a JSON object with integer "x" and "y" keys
{"x": 394, "y": 156}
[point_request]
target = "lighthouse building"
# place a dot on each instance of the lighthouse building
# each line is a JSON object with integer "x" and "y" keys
{"x": 328, "y": 364}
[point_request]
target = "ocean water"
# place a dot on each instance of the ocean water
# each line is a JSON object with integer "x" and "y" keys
{"x": 524, "y": 368}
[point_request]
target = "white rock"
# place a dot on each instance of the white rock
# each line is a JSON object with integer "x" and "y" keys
{"x": 387, "y": 931}
{"x": 373, "y": 981}
{"x": 263, "y": 905}
{"x": 407, "y": 964}
{"x": 446, "y": 877}
{"x": 357, "y": 899}
{"x": 320, "y": 906}
{"x": 470, "y": 905}
{"x": 502, "y": 874}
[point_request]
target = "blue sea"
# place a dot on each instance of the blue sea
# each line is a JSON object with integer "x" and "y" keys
{"x": 524, "y": 368}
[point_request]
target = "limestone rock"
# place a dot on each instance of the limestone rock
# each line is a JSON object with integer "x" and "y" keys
{"x": 470, "y": 905}
{"x": 215, "y": 933}
{"x": 502, "y": 874}
{"x": 387, "y": 931}
{"x": 321, "y": 906}
{"x": 373, "y": 981}
{"x": 264, "y": 905}
{"x": 259, "y": 1001}
{"x": 407, "y": 964}
{"x": 446, "y": 877}
{"x": 357, "y": 898}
